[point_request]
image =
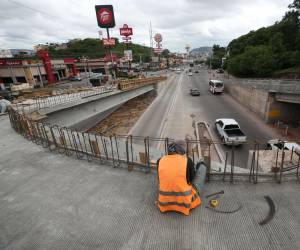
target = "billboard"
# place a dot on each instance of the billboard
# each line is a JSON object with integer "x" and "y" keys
{"x": 158, "y": 38}
{"x": 109, "y": 41}
{"x": 105, "y": 16}
{"x": 126, "y": 31}
{"x": 5, "y": 53}
{"x": 10, "y": 62}
{"x": 128, "y": 55}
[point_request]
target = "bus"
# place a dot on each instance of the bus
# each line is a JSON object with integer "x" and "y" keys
{"x": 216, "y": 86}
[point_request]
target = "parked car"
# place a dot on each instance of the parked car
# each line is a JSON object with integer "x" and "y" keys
{"x": 220, "y": 71}
{"x": 230, "y": 132}
{"x": 194, "y": 92}
{"x": 190, "y": 74}
{"x": 196, "y": 71}
{"x": 279, "y": 144}
{"x": 74, "y": 78}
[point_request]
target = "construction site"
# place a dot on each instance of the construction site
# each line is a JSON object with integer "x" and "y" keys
{"x": 73, "y": 176}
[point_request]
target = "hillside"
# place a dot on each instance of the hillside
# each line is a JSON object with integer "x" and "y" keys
{"x": 93, "y": 48}
{"x": 201, "y": 50}
{"x": 268, "y": 50}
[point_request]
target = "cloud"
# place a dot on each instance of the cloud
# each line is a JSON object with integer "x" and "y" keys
{"x": 25, "y": 23}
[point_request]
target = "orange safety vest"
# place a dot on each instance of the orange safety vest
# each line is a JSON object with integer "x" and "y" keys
{"x": 175, "y": 194}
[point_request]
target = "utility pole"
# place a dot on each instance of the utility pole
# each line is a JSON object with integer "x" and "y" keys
{"x": 112, "y": 61}
{"x": 151, "y": 38}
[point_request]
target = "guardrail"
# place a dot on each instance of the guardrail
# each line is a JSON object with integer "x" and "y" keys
{"x": 38, "y": 103}
{"x": 135, "y": 83}
{"x": 133, "y": 151}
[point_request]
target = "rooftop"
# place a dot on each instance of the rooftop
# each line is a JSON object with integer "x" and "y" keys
{"x": 51, "y": 201}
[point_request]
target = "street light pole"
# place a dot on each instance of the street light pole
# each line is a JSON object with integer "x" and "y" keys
{"x": 112, "y": 61}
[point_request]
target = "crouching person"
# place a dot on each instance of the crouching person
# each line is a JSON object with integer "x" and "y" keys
{"x": 180, "y": 184}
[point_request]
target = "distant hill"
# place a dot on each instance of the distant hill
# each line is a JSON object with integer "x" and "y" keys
{"x": 201, "y": 50}
{"x": 93, "y": 48}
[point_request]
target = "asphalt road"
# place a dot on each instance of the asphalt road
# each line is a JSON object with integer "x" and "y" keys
{"x": 152, "y": 121}
{"x": 170, "y": 114}
{"x": 213, "y": 107}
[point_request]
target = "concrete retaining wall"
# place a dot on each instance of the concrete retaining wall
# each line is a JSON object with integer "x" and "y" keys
{"x": 265, "y": 104}
{"x": 254, "y": 99}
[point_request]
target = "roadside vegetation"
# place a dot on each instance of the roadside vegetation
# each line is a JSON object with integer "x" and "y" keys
{"x": 268, "y": 51}
{"x": 93, "y": 48}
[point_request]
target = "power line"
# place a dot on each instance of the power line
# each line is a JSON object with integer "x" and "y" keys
{"x": 32, "y": 9}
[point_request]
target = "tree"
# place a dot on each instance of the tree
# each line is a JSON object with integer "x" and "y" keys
{"x": 262, "y": 52}
{"x": 218, "y": 53}
{"x": 165, "y": 53}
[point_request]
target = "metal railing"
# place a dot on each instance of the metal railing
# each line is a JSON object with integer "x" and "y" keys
{"x": 38, "y": 103}
{"x": 136, "y": 152}
{"x": 135, "y": 83}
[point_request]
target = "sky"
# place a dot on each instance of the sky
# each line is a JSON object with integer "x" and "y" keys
{"x": 25, "y": 23}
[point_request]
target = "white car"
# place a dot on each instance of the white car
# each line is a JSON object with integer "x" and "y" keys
{"x": 230, "y": 132}
{"x": 190, "y": 74}
{"x": 278, "y": 144}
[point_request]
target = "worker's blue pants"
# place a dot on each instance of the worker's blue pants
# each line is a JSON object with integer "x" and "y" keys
{"x": 199, "y": 179}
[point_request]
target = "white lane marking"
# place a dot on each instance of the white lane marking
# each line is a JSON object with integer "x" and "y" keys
{"x": 160, "y": 95}
{"x": 170, "y": 108}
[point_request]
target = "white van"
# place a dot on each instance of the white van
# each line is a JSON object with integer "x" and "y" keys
{"x": 216, "y": 86}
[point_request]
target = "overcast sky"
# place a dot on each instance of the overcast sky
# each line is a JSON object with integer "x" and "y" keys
{"x": 25, "y": 23}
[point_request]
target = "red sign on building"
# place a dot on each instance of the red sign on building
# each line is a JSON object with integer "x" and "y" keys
{"x": 105, "y": 16}
{"x": 109, "y": 41}
{"x": 10, "y": 62}
{"x": 126, "y": 31}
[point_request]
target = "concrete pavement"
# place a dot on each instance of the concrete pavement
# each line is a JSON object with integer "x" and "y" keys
{"x": 51, "y": 201}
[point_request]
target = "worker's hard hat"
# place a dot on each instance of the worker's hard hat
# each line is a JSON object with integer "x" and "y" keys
{"x": 177, "y": 147}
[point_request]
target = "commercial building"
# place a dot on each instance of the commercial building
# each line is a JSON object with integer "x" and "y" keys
{"x": 44, "y": 70}
{"x": 34, "y": 72}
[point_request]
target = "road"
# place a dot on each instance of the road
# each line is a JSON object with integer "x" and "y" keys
{"x": 170, "y": 114}
{"x": 212, "y": 107}
{"x": 152, "y": 121}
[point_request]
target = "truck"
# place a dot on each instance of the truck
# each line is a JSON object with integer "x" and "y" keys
{"x": 276, "y": 144}
{"x": 230, "y": 131}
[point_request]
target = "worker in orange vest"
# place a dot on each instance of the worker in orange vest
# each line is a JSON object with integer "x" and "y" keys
{"x": 178, "y": 190}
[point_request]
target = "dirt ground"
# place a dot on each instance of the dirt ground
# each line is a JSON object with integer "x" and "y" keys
{"x": 123, "y": 119}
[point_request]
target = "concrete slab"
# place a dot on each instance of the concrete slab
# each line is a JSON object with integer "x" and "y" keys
{"x": 50, "y": 201}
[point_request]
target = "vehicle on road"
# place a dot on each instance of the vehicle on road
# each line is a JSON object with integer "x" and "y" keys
{"x": 190, "y": 74}
{"x": 286, "y": 145}
{"x": 74, "y": 78}
{"x": 216, "y": 86}
{"x": 196, "y": 71}
{"x": 230, "y": 132}
{"x": 178, "y": 71}
{"x": 194, "y": 92}
{"x": 221, "y": 71}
